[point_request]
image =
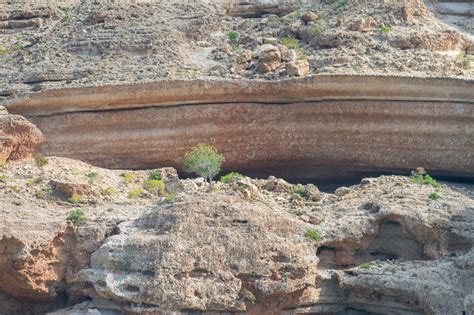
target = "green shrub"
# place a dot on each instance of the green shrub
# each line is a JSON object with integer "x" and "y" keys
{"x": 300, "y": 191}
{"x": 75, "y": 199}
{"x": 128, "y": 177}
{"x": 316, "y": 30}
{"x": 67, "y": 14}
{"x": 33, "y": 181}
{"x": 227, "y": 179}
{"x": 76, "y": 217}
{"x": 366, "y": 266}
{"x": 111, "y": 191}
{"x": 386, "y": 29}
{"x": 344, "y": 2}
{"x": 434, "y": 196}
{"x": 205, "y": 161}
{"x": 136, "y": 193}
{"x": 313, "y": 234}
{"x": 427, "y": 180}
{"x": 44, "y": 193}
{"x": 168, "y": 199}
{"x": 92, "y": 176}
{"x": 290, "y": 42}
{"x": 155, "y": 186}
{"x": 156, "y": 174}
{"x": 41, "y": 160}
{"x": 233, "y": 36}
{"x": 3, "y": 178}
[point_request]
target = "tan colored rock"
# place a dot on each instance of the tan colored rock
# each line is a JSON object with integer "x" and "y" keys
{"x": 269, "y": 59}
{"x": 312, "y": 192}
{"x": 257, "y": 8}
{"x": 310, "y": 16}
{"x": 277, "y": 185}
{"x": 19, "y": 138}
{"x": 288, "y": 55}
{"x": 298, "y": 68}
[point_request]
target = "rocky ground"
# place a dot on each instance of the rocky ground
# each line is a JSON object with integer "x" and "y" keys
{"x": 97, "y": 42}
{"x": 261, "y": 246}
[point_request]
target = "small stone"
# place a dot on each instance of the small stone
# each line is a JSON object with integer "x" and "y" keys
{"x": 298, "y": 68}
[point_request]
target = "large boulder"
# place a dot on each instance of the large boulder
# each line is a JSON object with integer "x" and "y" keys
{"x": 257, "y": 8}
{"x": 19, "y": 138}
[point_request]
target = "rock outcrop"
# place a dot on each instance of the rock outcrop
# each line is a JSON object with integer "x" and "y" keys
{"x": 318, "y": 127}
{"x": 19, "y": 138}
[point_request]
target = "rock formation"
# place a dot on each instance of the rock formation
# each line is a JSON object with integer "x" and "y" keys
{"x": 19, "y": 138}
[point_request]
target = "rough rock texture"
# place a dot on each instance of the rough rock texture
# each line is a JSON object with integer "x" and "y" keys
{"x": 19, "y": 138}
{"x": 328, "y": 126}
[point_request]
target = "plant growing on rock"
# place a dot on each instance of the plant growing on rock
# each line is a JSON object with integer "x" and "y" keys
{"x": 386, "y": 29}
{"x": 427, "y": 180}
{"x": 300, "y": 190}
{"x": 290, "y": 42}
{"x": 111, "y": 191}
{"x": 434, "y": 196}
{"x": 75, "y": 199}
{"x": 205, "y": 161}
{"x": 366, "y": 266}
{"x": 156, "y": 175}
{"x": 247, "y": 295}
{"x": 168, "y": 199}
{"x": 128, "y": 177}
{"x": 136, "y": 193}
{"x": 155, "y": 186}
{"x": 227, "y": 179}
{"x": 92, "y": 176}
{"x": 233, "y": 36}
{"x": 77, "y": 216}
{"x": 41, "y": 160}
{"x": 313, "y": 234}
{"x": 44, "y": 193}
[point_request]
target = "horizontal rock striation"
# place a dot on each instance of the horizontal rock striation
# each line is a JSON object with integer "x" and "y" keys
{"x": 318, "y": 127}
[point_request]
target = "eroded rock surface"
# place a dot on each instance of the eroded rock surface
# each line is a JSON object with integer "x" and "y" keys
{"x": 19, "y": 138}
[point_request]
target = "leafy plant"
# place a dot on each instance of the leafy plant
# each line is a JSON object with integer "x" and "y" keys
{"x": 67, "y": 14}
{"x": 434, "y": 196}
{"x": 92, "y": 176}
{"x": 111, "y": 191}
{"x": 386, "y": 29}
{"x": 41, "y": 160}
{"x": 233, "y": 36}
{"x": 366, "y": 266}
{"x": 427, "y": 180}
{"x": 44, "y": 193}
{"x": 155, "y": 186}
{"x": 75, "y": 199}
{"x": 33, "y": 181}
{"x": 290, "y": 42}
{"x": 300, "y": 191}
{"x": 3, "y": 178}
{"x": 77, "y": 216}
{"x": 227, "y": 179}
{"x": 156, "y": 174}
{"x": 316, "y": 30}
{"x": 128, "y": 177}
{"x": 205, "y": 161}
{"x": 344, "y": 2}
{"x": 168, "y": 199}
{"x": 313, "y": 234}
{"x": 136, "y": 193}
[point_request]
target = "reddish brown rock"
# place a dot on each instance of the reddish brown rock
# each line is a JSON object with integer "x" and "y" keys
{"x": 19, "y": 138}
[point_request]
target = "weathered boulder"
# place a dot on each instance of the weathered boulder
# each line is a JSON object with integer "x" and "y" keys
{"x": 298, "y": 68}
{"x": 19, "y": 138}
{"x": 269, "y": 59}
{"x": 257, "y": 8}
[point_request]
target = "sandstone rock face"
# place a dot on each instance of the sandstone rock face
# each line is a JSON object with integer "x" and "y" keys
{"x": 307, "y": 128}
{"x": 19, "y": 138}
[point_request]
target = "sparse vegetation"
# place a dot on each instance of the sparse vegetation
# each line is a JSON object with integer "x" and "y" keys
{"x": 15, "y": 188}
{"x": 227, "y": 179}
{"x": 128, "y": 177}
{"x": 313, "y": 234}
{"x": 168, "y": 199}
{"x": 366, "y": 266}
{"x": 233, "y": 36}
{"x": 386, "y": 29}
{"x": 77, "y": 217}
{"x": 33, "y": 181}
{"x": 247, "y": 295}
{"x": 75, "y": 199}
{"x": 3, "y": 178}
{"x": 44, "y": 193}
{"x": 155, "y": 186}
{"x": 156, "y": 175}
{"x": 111, "y": 191}
{"x": 434, "y": 196}
{"x": 300, "y": 191}
{"x": 92, "y": 176}
{"x": 316, "y": 30}
{"x": 344, "y": 2}
{"x": 427, "y": 180}
{"x": 41, "y": 160}
{"x": 290, "y": 42}
{"x": 67, "y": 14}
{"x": 136, "y": 193}
{"x": 205, "y": 161}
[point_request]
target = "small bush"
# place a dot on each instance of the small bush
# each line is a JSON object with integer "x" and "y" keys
{"x": 434, "y": 196}
{"x": 44, "y": 193}
{"x": 168, "y": 199}
{"x": 156, "y": 175}
{"x": 128, "y": 177}
{"x": 155, "y": 186}
{"x": 75, "y": 199}
{"x": 313, "y": 234}
{"x": 227, "y": 179}
{"x": 366, "y": 266}
{"x": 427, "y": 180}
{"x": 136, "y": 193}
{"x": 76, "y": 217}
{"x": 92, "y": 176}
{"x": 15, "y": 188}
{"x": 386, "y": 29}
{"x": 3, "y": 178}
{"x": 33, "y": 181}
{"x": 205, "y": 161}
{"x": 316, "y": 30}
{"x": 111, "y": 191}
{"x": 233, "y": 36}
{"x": 41, "y": 160}
{"x": 300, "y": 191}
{"x": 290, "y": 42}
{"x": 67, "y": 14}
